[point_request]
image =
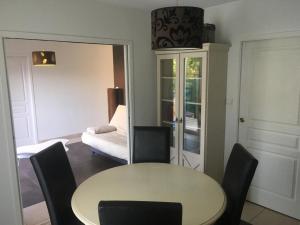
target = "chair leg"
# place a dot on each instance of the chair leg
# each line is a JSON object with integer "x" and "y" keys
{"x": 244, "y": 223}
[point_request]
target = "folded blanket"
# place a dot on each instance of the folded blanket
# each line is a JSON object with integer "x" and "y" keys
{"x": 101, "y": 129}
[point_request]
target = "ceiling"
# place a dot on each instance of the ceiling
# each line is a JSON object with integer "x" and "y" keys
{"x": 154, "y": 4}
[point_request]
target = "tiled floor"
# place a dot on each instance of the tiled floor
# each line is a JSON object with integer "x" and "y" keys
{"x": 37, "y": 214}
{"x": 258, "y": 215}
{"x": 252, "y": 213}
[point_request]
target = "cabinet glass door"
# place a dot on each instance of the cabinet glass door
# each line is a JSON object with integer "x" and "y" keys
{"x": 191, "y": 109}
{"x": 192, "y": 105}
{"x": 168, "y": 79}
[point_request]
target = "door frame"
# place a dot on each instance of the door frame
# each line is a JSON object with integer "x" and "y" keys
{"x": 241, "y": 40}
{"x": 31, "y": 93}
{"x": 242, "y": 108}
{"x": 233, "y": 98}
{"x": 6, "y": 128}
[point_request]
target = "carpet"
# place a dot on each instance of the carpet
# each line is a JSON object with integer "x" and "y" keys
{"x": 83, "y": 162}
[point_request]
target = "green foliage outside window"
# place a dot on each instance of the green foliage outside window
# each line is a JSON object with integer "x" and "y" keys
{"x": 174, "y": 67}
{"x": 193, "y": 67}
{"x": 192, "y": 87}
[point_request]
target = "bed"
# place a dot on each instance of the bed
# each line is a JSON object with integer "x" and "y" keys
{"x": 110, "y": 140}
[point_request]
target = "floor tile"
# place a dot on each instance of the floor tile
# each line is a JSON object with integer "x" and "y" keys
{"x": 269, "y": 217}
{"x": 36, "y": 214}
{"x": 250, "y": 211}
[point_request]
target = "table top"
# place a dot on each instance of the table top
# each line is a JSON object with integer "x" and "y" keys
{"x": 203, "y": 200}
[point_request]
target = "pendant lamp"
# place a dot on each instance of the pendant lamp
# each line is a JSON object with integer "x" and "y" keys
{"x": 177, "y": 27}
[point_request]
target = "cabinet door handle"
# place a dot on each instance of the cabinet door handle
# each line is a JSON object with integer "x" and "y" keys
{"x": 181, "y": 120}
{"x": 242, "y": 120}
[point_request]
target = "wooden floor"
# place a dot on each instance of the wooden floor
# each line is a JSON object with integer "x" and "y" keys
{"x": 83, "y": 162}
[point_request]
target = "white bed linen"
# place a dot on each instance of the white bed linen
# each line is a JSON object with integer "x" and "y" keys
{"x": 111, "y": 143}
{"x": 29, "y": 150}
{"x": 119, "y": 120}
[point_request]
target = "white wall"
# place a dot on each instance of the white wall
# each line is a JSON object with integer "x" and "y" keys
{"x": 246, "y": 20}
{"x": 72, "y": 95}
{"x": 85, "y": 18}
{"x": 92, "y": 19}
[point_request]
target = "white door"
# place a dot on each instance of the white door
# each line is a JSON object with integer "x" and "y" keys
{"x": 192, "y": 109}
{"x": 270, "y": 121}
{"x": 168, "y": 98}
{"x": 20, "y": 87}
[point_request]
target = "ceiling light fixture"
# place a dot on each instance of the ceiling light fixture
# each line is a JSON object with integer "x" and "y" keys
{"x": 43, "y": 58}
{"x": 177, "y": 27}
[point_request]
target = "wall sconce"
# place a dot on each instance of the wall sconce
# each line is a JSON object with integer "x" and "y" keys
{"x": 43, "y": 58}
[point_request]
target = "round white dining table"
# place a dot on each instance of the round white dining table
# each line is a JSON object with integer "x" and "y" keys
{"x": 202, "y": 198}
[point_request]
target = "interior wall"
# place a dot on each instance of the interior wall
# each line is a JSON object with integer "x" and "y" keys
{"x": 93, "y": 19}
{"x": 87, "y": 18}
{"x": 248, "y": 20}
{"x": 72, "y": 95}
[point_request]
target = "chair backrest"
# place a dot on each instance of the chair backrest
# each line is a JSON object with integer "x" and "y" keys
{"x": 139, "y": 213}
{"x": 57, "y": 182}
{"x": 151, "y": 144}
{"x": 239, "y": 172}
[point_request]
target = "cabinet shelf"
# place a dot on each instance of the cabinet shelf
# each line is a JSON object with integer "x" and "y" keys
{"x": 192, "y": 103}
{"x": 168, "y": 100}
{"x": 193, "y": 78}
{"x": 192, "y": 128}
{"x": 168, "y": 122}
{"x": 167, "y": 77}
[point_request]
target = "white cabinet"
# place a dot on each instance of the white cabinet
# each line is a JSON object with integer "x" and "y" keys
{"x": 191, "y": 100}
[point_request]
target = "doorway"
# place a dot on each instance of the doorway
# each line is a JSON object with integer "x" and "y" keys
{"x": 269, "y": 124}
{"x": 55, "y": 86}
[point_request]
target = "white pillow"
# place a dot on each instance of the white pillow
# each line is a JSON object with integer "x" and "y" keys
{"x": 119, "y": 120}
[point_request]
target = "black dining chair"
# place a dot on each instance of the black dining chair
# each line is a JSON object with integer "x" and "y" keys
{"x": 57, "y": 182}
{"x": 139, "y": 213}
{"x": 151, "y": 144}
{"x": 239, "y": 172}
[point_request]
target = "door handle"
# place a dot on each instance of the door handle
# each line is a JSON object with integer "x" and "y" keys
{"x": 242, "y": 120}
{"x": 180, "y": 121}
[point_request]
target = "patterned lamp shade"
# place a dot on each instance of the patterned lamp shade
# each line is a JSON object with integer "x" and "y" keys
{"x": 43, "y": 58}
{"x": 177, "y": 27}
